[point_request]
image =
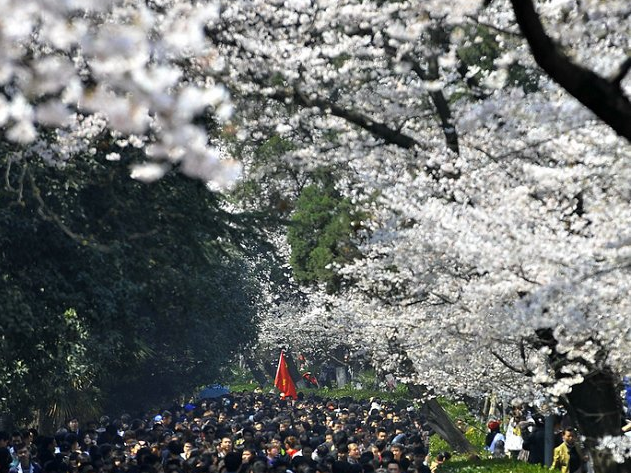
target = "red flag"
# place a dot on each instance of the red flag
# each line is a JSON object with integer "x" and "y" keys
{"x": 283, "y": 380}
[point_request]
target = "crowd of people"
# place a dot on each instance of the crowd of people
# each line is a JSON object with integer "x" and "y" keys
{"x": 244, "y": 433}
{"x": 523, "y": 437}
{"x": 262, "y": 433}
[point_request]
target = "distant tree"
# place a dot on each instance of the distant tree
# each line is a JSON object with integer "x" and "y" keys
{"x": 321, "y": 234}
{"x": 110, "y": 285}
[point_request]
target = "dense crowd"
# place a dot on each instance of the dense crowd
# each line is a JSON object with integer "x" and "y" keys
{"x": 244, "y": 433}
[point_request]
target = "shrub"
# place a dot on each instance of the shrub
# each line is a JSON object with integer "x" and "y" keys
{"x": 502, "y": 465}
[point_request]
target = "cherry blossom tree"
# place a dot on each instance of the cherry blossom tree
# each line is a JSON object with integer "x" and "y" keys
{"x": 498, "y": 204}
{"x": 496, "y": 250}
{"x": 72, "y": 70}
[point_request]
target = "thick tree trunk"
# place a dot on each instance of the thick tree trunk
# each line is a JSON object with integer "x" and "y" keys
{"x": 256, "y": 371}
{"x": 596, "y": 407}
{"x": 270, "y": 368}
{"x": 594, "y": 404}
{"x": 441, "y": 423}
{"x": 45, "y": 424}
{"x": 444, "y": 426}
{"x": 437, "y": 418}
{"x": 6, "y": 422}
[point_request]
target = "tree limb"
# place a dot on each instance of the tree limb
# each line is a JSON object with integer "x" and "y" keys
{"x": 510, "y": 366}
{"x": 603, "y": 97}
{"x": 622, "y": 72}
{"x": 437, "y": 97}
{"x": 48, "y": 215}
{"x": 379, "y": 130}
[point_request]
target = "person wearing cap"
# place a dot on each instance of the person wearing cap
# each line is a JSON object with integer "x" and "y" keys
{"x": 495, "y": 439}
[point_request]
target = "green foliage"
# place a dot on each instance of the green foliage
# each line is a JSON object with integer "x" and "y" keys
{"x": 235, "y": 375}
{"x": 400, "y": 394}
{"x": 320, "y": 235}
{"x": 266, "y": 187}
{"x": 482, "y": 51}
{"x": 109, "y": 285}
{"x": 490, "y": 466}
{"x": 474, "y": 429}
{"x": 273, "y": 148}
{"x": 242, "y": 387}
{"x": 339, "y": 60}
{"x": 437, "y": 444}
{"x": 367, "y": 379}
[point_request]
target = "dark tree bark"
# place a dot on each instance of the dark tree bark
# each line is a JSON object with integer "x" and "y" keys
{"x": 256, "y": 371}
{"x": 437, "y": 418}
{"x": 293, "y": 371}
{"x": 602, "y": 96}
{"x": 379, "y": 130}
{"x": 441, "y": 423}
{"x": 594, "y": 405}
{"x": 270, "y": 368}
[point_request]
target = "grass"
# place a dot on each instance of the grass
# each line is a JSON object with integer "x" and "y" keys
{"x": 474, "y": 429}
{"x": 399, "y": 394}
{"x": 494, "y": 465}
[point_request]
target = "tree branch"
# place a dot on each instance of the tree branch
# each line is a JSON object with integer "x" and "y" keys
{"x": 437, "y": 97}
{"x": 50, "y": 216}
{"x": 503, "y": 31}
{"x": 510, "y": 366}
{"x": 601, "y": 96}
{"x": 379, "y": 130}
{"x": 622, "y": 72}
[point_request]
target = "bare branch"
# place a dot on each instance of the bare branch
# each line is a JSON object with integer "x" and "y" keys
{"x": 622, "y": 72}
{"x": 50, "y": 216}
{"x": 510, "y": 366}
{"x": 601, "y": 96}
{"x": 522, "y": 274}
{"x": 438, "y": 98}
{"x": 379, "y": 130}
{"x": 493, "y": 27}
{"x": 602, "y": 272}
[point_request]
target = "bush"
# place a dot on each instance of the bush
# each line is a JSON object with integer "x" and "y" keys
{"x": 242, "y": 387}
{"x": 502, "y": 465}
{"x": 400, "y": 394}
{"x": 474, "y": 429}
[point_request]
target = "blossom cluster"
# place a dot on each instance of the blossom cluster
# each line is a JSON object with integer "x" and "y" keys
{"x": 468, "y": 250}
{"x": 126, "y": 62}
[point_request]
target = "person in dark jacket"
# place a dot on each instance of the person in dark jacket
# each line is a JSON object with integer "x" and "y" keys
{"x": 535, "y": 442}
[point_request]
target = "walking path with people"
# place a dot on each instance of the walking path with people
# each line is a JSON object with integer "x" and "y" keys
{"x": 246, "y": 433}
{"x": 239, "y": 433}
